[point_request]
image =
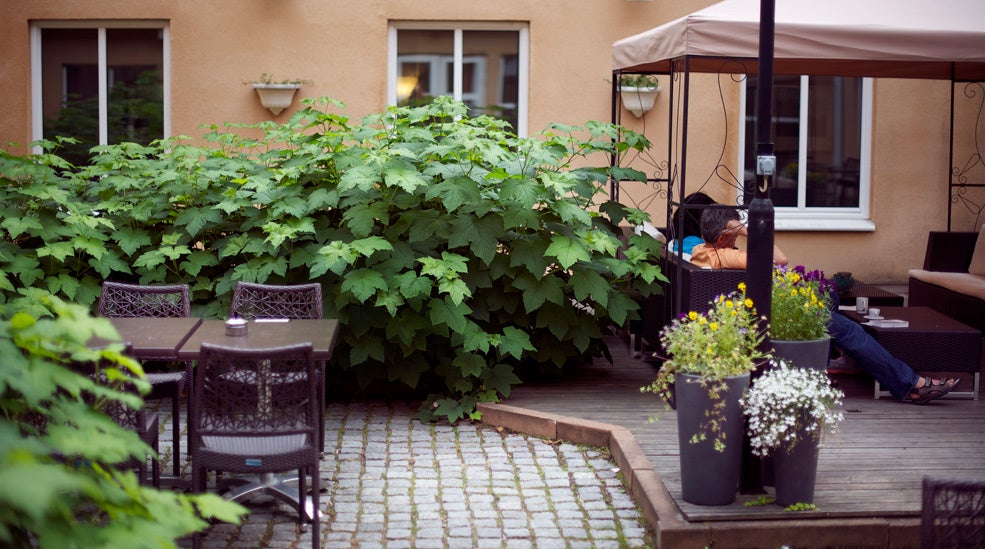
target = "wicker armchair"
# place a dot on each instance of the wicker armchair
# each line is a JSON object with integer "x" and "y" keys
{"x": 953, "y": 514}
{"x": 255, "y": 412}
{"x": 119, "y": 300}
{"x": 252, "y": 301}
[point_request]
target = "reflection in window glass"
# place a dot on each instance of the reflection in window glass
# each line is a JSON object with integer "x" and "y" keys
{"x": 70, "y": 68}
{"x": 486, "y": 80}
{"x": 817, "y": 165}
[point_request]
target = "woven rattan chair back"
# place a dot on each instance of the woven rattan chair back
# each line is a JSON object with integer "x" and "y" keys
{"x": 953, "y": 514}
{"x": 252, "y": 301}
{"x": 119, "y": 300}
{"x": 255, "y": 412}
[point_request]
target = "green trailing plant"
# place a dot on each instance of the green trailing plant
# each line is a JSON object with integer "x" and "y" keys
{"x": 63, "y": 481}
{"x": 632, "y": 80}
{"x": 456, "y": 254}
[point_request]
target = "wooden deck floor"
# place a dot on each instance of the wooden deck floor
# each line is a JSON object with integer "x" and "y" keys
{"x": 872, "y": 468}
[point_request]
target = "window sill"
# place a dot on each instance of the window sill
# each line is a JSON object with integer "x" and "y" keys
{"x": 827, "y": 224}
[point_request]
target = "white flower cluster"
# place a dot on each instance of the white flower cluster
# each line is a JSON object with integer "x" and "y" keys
{"x": 785, "y": 401}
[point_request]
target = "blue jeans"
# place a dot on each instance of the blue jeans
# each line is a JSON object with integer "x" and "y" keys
{"x": 892, "y": 373}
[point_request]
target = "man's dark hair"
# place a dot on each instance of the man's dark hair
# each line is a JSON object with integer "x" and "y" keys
{"x": 714, "y": 222}
{"x": 692, "y": 217}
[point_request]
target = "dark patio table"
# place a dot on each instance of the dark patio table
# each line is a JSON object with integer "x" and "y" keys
{"x": 152, "y": 338}
{"x": 877, "y": 296}
{"x": 321, "y": 333}
{"x": 932, "y": 342}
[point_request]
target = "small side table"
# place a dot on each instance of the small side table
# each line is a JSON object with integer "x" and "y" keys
{"x": 932, "y": 342}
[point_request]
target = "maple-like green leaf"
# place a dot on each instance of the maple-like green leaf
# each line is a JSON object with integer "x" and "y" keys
{"x": 16, "y": 226}
{"x": 455, "y": 288}
{"x": 536, "y": 292}
{"x": 362, "y": 177}
{"x": 445, "y": 311}
{"x": 478, "y": 234}
{"x": 363, "y": 283}
{"x": 588, "y": 284}
{"x": 500, "y": 378}
{"x": 567, "y": 251}
{"x": 405, "y": 177}
{"x": 454, "y": 192}
{"x": 194, "y": 219}
{"x": 196, "y": 261}
{"x": 514, "y": 342}
{"x": 469, "y": 364}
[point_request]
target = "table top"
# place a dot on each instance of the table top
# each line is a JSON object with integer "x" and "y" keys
{"x": 321, "y": 333}
{"x": 152, "y": 338}
{"x": 921, "y": 319}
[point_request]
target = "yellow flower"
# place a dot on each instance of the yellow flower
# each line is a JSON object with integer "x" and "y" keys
{"x": 693, "y": 315}
{"x": 703, "y": 321}
{"x": 748, "y": 303}
{"x": 713, "y": 326}
{"x": 729, "y": 304}
{"x": 742, "y": 287}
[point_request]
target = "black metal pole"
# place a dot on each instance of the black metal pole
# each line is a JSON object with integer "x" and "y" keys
{"x": 761, "y": 219}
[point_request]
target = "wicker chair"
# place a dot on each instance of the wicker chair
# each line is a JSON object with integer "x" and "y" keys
{"x": 296, "y": 301}
{"x": 255, "y": 412}
{"x": 953, "y": 514}
{"x": 119, "y": 300}
{"x": 252, "y": 301}
{"x": 143, "y": 422}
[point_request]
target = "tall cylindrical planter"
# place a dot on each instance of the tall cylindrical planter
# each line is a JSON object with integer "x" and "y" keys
{"x": 812, "y": 353}
{"x": 795, "y": 471}
{"x": 709, "y": 477}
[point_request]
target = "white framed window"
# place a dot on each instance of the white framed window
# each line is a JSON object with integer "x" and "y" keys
{"x": 484, "y": 65}
{"x": 822, "y": 139}
{"x": 101, "y": 82}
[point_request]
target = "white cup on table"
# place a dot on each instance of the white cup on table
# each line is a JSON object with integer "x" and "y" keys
{"x": 862, "y": 305}
{"x": 873, "y": 313}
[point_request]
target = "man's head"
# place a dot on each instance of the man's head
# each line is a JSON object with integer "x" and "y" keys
{"x": 720, "y": 226}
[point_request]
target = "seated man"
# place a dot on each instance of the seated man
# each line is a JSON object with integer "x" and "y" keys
{"x": 720, "y": 227}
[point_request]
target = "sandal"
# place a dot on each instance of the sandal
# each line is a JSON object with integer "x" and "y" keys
{"x": 932, "y": 389}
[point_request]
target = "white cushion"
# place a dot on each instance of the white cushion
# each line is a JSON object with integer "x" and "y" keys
{"x": 962, "y": 283}
{"x": 977, "y": 266}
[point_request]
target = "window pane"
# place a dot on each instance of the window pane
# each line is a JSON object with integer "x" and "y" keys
{"x": 134, "y": 74}
{"x": 70, "y": 89}
{"x": 833, "y": 139}
{"x": 491, "y": 77}
{"x": 786, "y": 131}
{"x": 421, "y": 56}
{"x": 834, "y": 130}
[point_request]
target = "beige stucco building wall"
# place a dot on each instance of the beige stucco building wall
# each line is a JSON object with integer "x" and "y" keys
{"x": 340, "y": 47}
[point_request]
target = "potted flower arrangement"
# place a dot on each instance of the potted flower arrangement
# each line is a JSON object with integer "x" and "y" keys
{"x": 799, "y": 316}
{"x": 638, "y": 92}
{"x": 710, "y": 357}
{"x": 788, "y": 409}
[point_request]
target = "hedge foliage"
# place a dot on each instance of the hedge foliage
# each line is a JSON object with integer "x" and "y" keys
{"x": 454, "y": 252}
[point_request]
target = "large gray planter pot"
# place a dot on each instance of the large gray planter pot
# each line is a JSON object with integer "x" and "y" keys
{"x": 795, "y": 471}
{"x": 812, "y": 353}
{"x": 709, "y": 477}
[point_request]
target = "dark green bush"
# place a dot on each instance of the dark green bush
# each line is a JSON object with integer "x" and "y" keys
{"x": 453, "y": 252}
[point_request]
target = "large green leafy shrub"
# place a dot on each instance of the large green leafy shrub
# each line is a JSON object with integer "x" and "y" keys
{"x": 61, "y": 484}
{"x": 453, "y": 252}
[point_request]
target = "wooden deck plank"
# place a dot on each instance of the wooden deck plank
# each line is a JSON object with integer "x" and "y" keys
{"x": 872, "y": 468}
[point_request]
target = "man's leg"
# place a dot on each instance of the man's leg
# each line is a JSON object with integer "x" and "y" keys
{"x": 891, "y": 372}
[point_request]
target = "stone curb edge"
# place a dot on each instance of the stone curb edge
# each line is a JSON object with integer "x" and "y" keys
{"x": 659, "y": 510}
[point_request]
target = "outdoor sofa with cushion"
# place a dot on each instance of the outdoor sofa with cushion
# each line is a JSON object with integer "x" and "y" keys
{"x": 952, "y": 280}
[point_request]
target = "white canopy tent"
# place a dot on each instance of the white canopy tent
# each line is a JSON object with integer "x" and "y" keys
{"x": 944, "y": 39}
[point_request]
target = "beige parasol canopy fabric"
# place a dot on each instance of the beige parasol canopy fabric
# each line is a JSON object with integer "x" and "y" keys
{"x": 879, "y": 38}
